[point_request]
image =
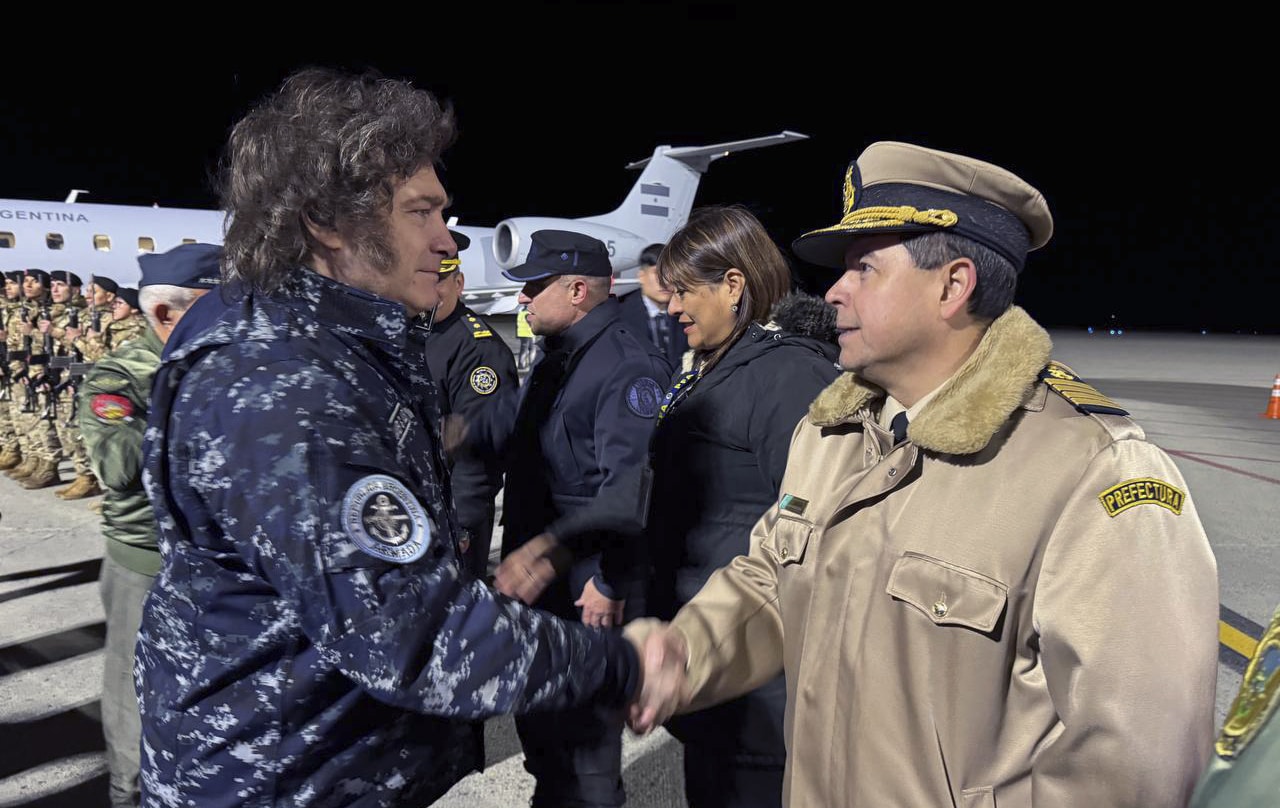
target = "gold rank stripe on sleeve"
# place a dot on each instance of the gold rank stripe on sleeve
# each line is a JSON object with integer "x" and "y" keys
{"x": 1142, "y": 491}
{"x": 478, "y": 329}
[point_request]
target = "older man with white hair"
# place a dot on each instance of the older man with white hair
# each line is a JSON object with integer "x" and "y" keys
{"x": 113, "y": 418}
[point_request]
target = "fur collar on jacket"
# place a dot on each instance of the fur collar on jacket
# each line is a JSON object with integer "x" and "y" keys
{"x": 972, "y": 405}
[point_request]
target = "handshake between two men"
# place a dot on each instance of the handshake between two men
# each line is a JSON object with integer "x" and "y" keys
{"x": 663, "y": 653}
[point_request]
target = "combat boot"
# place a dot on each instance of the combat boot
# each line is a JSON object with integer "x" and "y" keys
{"x": 23, "y": 469}
{"x": 10, "y": 458}
{"x": 45, "y": 475}
{"x": 86, "y": 485}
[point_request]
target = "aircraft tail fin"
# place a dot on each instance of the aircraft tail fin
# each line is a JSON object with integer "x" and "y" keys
{"x": 660, "y": 201}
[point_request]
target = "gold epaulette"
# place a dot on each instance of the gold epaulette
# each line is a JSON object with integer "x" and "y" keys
{"x": 478, "y": 329}
{"x": 1079, "y": 393}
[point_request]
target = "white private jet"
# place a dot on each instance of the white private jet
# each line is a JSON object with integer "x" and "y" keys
{"x": 105, "y": 240}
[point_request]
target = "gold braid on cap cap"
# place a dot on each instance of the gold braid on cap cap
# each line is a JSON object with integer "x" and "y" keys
{"x": 896, "y": 215}
{"x": 884, "y": 215}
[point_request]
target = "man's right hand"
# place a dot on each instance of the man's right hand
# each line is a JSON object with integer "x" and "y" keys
{"x": 664, "y": 657}
{"x": 530, "y": 568}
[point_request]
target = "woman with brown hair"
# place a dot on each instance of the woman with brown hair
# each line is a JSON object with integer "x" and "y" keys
{"x": 758, "y": 357}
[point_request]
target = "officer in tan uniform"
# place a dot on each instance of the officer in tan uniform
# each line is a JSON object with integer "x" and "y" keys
{"x": 985, "y": 586}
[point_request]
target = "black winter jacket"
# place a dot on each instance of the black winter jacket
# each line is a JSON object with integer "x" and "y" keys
{"x": 718, "y": 455}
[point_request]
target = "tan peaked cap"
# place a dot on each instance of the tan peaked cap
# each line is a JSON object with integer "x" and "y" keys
{"x": 902, "y": 188}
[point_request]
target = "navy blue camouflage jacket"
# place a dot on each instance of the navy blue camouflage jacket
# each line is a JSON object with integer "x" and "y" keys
{"x": 312, "y": 638}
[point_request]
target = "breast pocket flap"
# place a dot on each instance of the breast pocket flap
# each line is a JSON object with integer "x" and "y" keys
{"x": 790, "y": 539}
{"x": 948, "y": 594}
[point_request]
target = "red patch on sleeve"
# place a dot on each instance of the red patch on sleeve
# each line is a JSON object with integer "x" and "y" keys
{"x": 111, "y": 408}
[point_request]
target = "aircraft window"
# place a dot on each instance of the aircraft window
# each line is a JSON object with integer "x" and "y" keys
{"x": 7, "y": 240}
{"x": 189, "y": 241}
{"x": 53, "y": 241}
{"x": 102, "y": 243}
{"x": 146, "y": 244}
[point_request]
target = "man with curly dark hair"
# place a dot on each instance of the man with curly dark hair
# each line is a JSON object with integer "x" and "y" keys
{"x": 313, "y": 636}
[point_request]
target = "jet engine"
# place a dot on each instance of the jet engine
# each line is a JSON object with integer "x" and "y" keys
{"x": 511, "y": 240}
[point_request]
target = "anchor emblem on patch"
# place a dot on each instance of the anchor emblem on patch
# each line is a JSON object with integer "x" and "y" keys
{"x": 385, "y": 520}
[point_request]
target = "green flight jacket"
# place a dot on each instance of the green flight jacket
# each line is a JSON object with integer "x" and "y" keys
{"x": 113, "y": 418}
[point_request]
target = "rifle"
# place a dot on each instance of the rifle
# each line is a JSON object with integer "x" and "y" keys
{"x": 24, "y": 375}
{"x": 50, "y": 382}
{"x": 75, "y": 372}
{"x": 48, "y": 337}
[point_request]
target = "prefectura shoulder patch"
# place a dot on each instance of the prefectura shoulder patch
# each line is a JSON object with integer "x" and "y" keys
{"x": 1142, "y": 491}
{"x": 1082, "y": 395}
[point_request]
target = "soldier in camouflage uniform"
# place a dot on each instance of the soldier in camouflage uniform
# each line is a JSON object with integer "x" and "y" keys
{"x": 17, "y": 329}
{"x": 10, "y": 448}
{"x": 112, "y": 417}
{"x": 127, "y": 321}
{"x": 91, "y": 342}
{"x": 66, "y": 291}
{"x": 36, "y": 423}
{"x": 313, "y": 635}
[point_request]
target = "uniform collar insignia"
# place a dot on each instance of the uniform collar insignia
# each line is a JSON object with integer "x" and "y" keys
{"x": 973, "y": 405}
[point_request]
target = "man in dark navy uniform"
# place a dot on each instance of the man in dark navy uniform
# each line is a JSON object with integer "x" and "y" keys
{"x": 645, "y": 309}
{"x": 582, "y": 432}
{"x": 475, "y": 370}
{"x": 313, "y": 636}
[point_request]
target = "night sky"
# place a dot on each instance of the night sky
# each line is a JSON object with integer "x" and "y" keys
{"x": 1162, "y": 189}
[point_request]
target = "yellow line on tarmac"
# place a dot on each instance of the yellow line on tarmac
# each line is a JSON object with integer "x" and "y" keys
{"x": 1236, "y": 640}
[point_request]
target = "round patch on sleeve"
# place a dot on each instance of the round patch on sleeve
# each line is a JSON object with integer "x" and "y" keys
{"x": 483, "y": 380}
{"x": 111, "y": 408}
{"x": 385, "y": 520}
{"x": 643, "y": 397}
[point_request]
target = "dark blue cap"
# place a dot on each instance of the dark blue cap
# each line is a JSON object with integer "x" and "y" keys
{"x": 38, "y": 274}
{"x": 191, "y": 266}
{"x": 69, "y": 278}
{"x": 129, "y": 295}
{"x": 561, "y": 252}
{"x": 106, "y": 284}
{"x": 461, "y": 239}
{"x": 14, "y": 275}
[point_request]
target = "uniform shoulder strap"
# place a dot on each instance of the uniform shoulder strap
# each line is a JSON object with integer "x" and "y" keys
{"x": 1079, "y": 393}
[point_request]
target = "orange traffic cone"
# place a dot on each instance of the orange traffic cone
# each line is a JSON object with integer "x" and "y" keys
{"x": 1273, "y": 407}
